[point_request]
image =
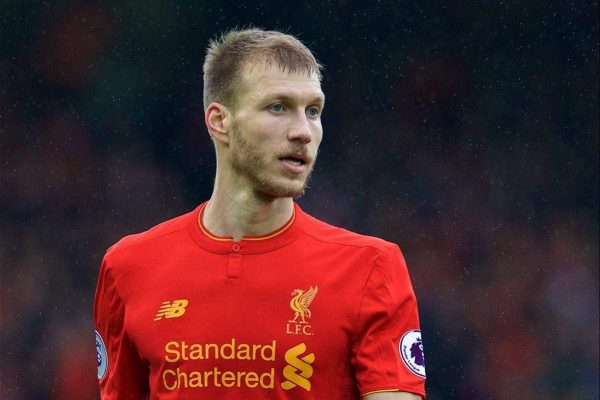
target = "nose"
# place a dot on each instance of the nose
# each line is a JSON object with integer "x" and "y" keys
{"x": 300, "y": 130}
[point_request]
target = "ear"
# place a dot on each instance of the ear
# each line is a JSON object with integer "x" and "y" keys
{"x": 218, "y": 121}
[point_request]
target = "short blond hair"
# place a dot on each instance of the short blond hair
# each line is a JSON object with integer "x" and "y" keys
{"x": 230, "y": 52}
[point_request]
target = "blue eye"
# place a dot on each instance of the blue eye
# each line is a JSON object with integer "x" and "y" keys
{"x": 277, "y": 107}
{"x": 312, "y": 112}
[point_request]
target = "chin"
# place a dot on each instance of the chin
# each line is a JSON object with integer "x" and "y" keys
{"x": 275, "y": 191}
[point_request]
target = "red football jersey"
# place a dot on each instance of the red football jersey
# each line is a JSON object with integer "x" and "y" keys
{"x": 310, "y": 311}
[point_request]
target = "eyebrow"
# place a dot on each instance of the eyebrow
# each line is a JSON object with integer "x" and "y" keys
{"x": 320, "y": 99}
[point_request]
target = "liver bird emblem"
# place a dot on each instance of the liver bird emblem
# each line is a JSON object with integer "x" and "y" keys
{"x": 301, "y": 301}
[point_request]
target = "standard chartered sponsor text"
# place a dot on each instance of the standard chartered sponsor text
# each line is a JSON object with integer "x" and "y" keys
{"x": 180, "y": 376}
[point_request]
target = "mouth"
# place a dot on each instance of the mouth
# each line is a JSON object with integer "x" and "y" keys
{"x": 295, "y": 162}
{"x": 297, "y": 159}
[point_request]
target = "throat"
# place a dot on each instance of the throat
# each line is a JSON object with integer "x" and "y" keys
{"x": 239, "y": 219}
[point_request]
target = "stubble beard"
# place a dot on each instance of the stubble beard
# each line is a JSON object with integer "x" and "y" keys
{"x": 246, "y": 161}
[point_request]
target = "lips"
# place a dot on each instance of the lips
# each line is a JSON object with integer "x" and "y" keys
{"x": 297, "y": 158}
{"x": 295, "y": 162}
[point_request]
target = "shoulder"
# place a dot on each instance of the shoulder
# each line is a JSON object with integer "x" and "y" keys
{"x": 326, "y": 233}
{"x": 152, "y": 237}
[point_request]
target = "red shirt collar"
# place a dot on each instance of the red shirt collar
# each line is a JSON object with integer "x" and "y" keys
{"x": 249, "y": 244}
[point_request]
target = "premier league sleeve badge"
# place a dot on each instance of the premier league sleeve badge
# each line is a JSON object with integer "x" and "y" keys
{"x": 101, "y": 356}
{"x": 411, "y": 351}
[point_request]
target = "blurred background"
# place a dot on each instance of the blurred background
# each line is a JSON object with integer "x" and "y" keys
{"x": 466, "y": 133}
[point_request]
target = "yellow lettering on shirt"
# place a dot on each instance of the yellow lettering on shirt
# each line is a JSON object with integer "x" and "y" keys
{"x": 178, "y": 376}
{"x": 172, "y": 348}
{"x": 178, "y": 379}
{"x": 177, "y": 351}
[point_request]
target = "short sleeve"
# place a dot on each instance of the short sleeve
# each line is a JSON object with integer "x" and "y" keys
{"x": 121, "y": 372}
{"x": 387, "y": 353}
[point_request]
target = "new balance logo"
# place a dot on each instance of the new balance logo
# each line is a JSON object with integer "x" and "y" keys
{"x": 173, "y": 309}
{"x": 298, "y": 369}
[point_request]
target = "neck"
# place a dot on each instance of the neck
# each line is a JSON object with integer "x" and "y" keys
{"x": 238, "y": 212}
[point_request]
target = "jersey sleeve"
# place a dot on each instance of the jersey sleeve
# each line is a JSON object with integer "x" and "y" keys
{"x": 387, "y": 354}
{"x": 121, "y": 372}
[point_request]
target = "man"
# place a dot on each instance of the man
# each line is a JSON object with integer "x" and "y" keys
{"x": 247, "y": 296}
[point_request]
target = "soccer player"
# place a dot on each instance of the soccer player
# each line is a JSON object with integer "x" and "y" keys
{"x": 247, "y": 296}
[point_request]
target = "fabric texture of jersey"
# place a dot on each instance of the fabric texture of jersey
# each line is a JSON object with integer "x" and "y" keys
{"x": 311, "y": 311}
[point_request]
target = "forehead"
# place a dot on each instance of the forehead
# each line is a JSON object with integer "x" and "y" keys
{"x": 260, "y": 82}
